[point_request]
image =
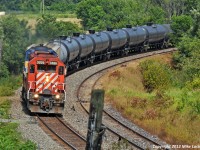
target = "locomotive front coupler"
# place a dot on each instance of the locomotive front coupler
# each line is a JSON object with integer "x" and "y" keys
{"x": 46, "y": 102}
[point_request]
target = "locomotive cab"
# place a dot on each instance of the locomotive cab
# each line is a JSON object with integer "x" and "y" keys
{"x": 44, "y": 82}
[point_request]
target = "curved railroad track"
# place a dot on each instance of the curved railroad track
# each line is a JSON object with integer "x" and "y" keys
{"x": 136, "y": 137}
{"x": 62, "y": 132}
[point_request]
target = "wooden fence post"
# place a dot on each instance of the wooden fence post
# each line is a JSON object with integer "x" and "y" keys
{"x": 95, "y": 127}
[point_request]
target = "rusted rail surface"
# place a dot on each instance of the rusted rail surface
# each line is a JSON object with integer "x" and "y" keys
{"x": 64, "y": 132}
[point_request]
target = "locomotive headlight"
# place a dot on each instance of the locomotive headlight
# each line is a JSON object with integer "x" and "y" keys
{"x": 47, "y": 79}
{"x": 57, "y": 96}
{"x": 36, "y": 96}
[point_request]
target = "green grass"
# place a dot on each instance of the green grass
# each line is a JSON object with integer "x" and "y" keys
{"x": 173, "y": 114}
{"x": 11, "y": 139}
{"x": 32, "y": 15}
{"x": 4, "y": 109}
{"x": 8, "y": 85}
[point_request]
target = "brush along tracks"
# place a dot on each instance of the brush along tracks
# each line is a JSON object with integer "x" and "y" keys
{"x": 62, "y": 132}
{"x": 114, "y": 123}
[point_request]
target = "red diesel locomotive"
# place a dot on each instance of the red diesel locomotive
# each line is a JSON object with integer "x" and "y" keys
{"x": 43, "y": 81}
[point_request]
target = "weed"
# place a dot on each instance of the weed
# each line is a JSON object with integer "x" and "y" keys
{"x": 11, "y": 139}
{"x": 4, "y": 109}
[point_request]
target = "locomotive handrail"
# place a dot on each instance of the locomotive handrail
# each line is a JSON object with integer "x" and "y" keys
{"x": 29, "y": 88}
{"x": 63, "y": 84}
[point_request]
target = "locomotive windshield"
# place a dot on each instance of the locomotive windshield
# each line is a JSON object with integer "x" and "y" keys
{"x": 46, "y": 68}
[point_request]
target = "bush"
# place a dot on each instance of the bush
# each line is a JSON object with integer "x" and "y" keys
{"x": 155, "y": 75}
{"x": 13, "y": 82}
{"x": 4, "y": 73}
{"x": 6, "y": 91}
{"x": 9, "y": 84}
{"x": 195, "y": 84}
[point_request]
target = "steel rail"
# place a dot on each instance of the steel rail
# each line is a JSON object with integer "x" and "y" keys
{"x": 106, "y": 68}
{"x": 58, "y": 136}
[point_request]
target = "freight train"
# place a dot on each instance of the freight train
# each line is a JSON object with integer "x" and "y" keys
{"x": 43, "y": 80}
{"x": 86, "y": 48}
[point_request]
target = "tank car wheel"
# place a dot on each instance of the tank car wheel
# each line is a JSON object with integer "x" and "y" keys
{"x": 141, "y": 49}
{"x": 126, "y": 52}
{"x": 77, "y": 65}
{"x": 162, "y": 46}
{"x": 166, "y": 44}
{"x": 105, "y": 57}
{"x": 92, "y": 60}
{"x": 108, "y": 56}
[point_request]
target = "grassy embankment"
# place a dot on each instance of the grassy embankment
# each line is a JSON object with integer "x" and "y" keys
{"x": 10, "y": 138}
{"x": 170, "y": 114}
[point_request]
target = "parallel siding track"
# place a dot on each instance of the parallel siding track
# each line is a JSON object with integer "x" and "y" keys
{"x": 134, "y": 137}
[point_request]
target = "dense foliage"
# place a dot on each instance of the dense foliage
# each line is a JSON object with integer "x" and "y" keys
{"x": 36, "y": 5}
{"x": 48, "y": 27}
{"x": 100, "y": 14}
{"x": 15, "y": 39}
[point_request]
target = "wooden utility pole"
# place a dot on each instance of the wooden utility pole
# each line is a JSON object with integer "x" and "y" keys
{"x": 95, "y": 127}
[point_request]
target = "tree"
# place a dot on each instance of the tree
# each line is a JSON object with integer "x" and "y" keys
{"x": 47, "y": 27}
{"x": 16, "y": 38}
{"x": 172, "y": 7}
{"x": 181, "y": 25}
{"x": 196, "y": 17}
{"x": 117, "y": 14}
{"x": 188, "y": 56}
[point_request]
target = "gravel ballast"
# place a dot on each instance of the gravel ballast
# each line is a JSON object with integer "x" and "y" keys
{"x": 73, "y": 114}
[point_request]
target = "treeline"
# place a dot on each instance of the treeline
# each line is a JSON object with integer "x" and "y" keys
{"x": 36, "y": 5}
{"x": 98, "y": 14}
